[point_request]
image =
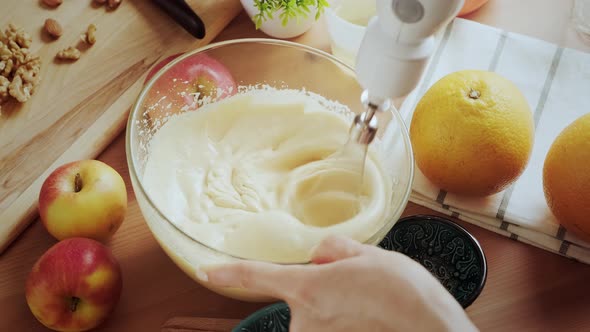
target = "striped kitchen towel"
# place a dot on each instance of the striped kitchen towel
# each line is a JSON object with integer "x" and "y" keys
{"x": 556, "y": 83}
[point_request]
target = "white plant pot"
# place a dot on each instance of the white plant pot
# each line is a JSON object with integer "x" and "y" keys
{"x": 275, "y": 28}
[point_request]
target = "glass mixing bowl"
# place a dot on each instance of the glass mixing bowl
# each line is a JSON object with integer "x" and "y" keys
{"x": 279, "y": 64}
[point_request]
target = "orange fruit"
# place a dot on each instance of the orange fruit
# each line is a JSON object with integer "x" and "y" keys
{"x": 470, "y": 6}
{"x": 566, "y": 177}
{"x": 472, "y": 133}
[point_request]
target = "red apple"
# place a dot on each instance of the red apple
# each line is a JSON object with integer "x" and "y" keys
{"x": 160, "y": 65}
{"x": 84, "y": 198}
{"x": 74, "y": 286}
{"x": 194, "y": 78}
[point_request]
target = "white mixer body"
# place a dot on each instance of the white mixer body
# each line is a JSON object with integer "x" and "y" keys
{"x": 398, "y": 43}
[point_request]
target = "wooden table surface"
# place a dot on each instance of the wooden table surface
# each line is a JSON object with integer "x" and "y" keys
{"x": 527, "y": 288}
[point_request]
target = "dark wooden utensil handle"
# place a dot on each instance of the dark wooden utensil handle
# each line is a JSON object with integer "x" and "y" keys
{"x": 184, "y": 15}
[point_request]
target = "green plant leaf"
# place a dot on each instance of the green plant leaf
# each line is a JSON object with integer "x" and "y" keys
{"x": 290, "y": 9}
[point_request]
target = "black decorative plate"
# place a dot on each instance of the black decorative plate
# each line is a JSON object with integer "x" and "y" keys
{"x": 446, "y": 249}
{"x": 273, "y": 318}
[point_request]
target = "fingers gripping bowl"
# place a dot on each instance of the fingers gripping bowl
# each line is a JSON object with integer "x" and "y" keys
{"x": 230, "y": 149}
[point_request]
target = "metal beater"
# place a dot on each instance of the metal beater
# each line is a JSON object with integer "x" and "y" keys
{"x": 394, "y": 52}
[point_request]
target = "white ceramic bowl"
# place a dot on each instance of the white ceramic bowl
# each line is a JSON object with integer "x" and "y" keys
{"x": 346, "y": 21}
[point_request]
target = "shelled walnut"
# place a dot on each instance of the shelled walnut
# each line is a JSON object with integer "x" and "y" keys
{"x": 4, "y": 83}
{"x": 90, "y": 35}
{"x": 70, "y": 53}
{"x": 19, "y": 69}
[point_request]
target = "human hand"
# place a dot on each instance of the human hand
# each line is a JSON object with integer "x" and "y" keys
{"x": 351, "y": 287}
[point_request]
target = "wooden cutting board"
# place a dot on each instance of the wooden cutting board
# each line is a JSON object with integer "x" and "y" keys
{"x": 198, "y": 324}
{"x": 80, "y": 107}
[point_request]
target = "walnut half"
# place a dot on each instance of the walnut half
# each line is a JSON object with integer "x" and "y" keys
{"x": 90, "y": 35}
{"x": 70, "y": 53}
{"x": 4, "y": 83}
{"x": 19, "y": 36}
{"x": 20, "y": 90}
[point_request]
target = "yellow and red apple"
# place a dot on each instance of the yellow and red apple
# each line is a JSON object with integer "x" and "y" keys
{"x": 84, "y": 198}
{"x": 74, "y": 286}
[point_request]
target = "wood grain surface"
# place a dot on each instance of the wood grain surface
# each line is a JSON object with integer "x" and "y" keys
{"x": 527, "y": 289}
{"x": 80, "y": 107}
{"x": 199, "y": 324}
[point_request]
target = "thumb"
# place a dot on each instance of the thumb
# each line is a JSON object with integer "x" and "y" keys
{"x": 335, "y": 248}
{"x": 259, "y": 277}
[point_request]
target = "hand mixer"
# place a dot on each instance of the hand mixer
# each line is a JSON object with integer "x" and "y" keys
{"x": 393, "y": 55}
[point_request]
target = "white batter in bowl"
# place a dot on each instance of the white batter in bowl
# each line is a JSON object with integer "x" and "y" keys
{"x": 251, "y": 176}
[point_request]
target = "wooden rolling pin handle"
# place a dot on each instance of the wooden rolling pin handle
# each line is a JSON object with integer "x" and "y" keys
{"x": 184, "y": 15}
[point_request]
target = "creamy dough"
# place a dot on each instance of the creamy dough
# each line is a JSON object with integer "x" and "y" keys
{"x": 252, "y": 176}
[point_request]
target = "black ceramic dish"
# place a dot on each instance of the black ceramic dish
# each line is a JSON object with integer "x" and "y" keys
{"x": 273, "y": 318}
{"x": 444, "y": 248}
